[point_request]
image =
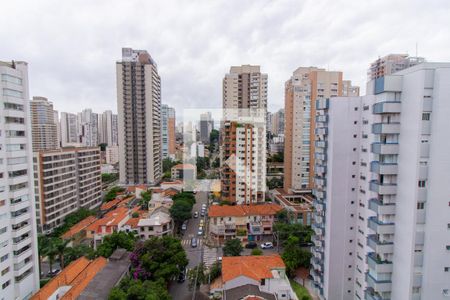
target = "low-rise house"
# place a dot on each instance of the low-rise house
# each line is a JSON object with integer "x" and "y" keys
{"x": 176, "y": 184}
{"x": 71, "y": 282}
{"x": 184, "y": 171}
{"x": 109, "y": 223}
{"x": 158, "y": 223}
{"x": 298, "y": 205}
{"x": 77, "y": 232}
{"x": 260, "y": 277}
{"x": 160, "y": 200}
{"x": 246, "y": 222}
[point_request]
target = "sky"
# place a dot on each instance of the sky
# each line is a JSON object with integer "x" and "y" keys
{"x": 72, "y": 46}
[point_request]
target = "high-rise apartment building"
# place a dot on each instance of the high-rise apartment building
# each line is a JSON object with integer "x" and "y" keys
{"x": 69, "y": 130}
{"x": 88, "y": 128}
{"x": 168, "y": 131}
{"x": 58, "y": 127}
{"x": 382, "y": 214}
{"x": 301, "y": 91}
{"x": 43, "y": 125}
{"x": 243, "y": 140}
{"x": 392, "y": 63}
{"x": 278, "y": 122}
{"x": 65, "y": 180}
{"x": 108, "y": 128}
{"x": 139, "y": 110}
{"x": 19, "y": 271}
{"x": 206, "y": 126}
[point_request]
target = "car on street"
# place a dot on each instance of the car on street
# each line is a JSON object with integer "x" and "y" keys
{"x": 251, "y": 245}
{"x": 196, "y": 214}
{"x": 202, "y": 213}
{"x": 184, "y": 226}
{"x": 267, "y": 245}
{"x": 193, "y": 242}
{"x": 202, "y": 222}
{"x": 200, "y": 231}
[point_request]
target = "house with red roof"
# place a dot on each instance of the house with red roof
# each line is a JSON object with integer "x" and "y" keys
{"x": 109, "y": 223}
{"x": 246, "y": 222}
{"x": 260, "y": 277}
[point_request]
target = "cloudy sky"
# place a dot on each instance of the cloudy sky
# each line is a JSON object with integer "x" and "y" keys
{"x": 72, "y": 46}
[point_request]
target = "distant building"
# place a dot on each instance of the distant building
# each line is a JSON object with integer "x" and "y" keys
{"x": 108, "y": 128}
{"x": 184, "y": 171}
{"x": 276, "y": 145}
{"x": 88, "y": 128}
{"x": 112, "y": 154}
{"x": 139, "y": 110}
{"x": 206, "y": 126}
{"x": 390, "y": 64}
{"x": 168, "y": 131}
{"x": 65, "y": 180}
{"x": 158, "y": 223}
{"x": 43, "y": 124}
{"x": 69, "y": 130}
{"x": 277, "y": 124}
{"x": 253, "y": 277}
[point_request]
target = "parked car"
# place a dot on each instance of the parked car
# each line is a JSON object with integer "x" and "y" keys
{"x": 182, "y": 276}
{"x": 202, "y": 222}
{"x": 202, "y": 213}
{"x": 184, "y": 226}
{"x": 196, "y": 214}
{"x": 193, "y": 242}
{"x": 267, "y": 245}
{"x": 200, "y": 231}
{"x": 251, "y": 245}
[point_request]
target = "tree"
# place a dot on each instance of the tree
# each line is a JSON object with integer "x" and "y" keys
{"x": 52, "y": 252}
{"x": 71, "y": 220}
{"x": 282, "y": 216}
{"x": 197, "y": 276}
{"x": 181, "y": 211}
{"x": 137, "y": 289}
{"x": 214, "y": 137}
{"x": 184, "y": 196}
{"x": 42, "y": 249}
{"x": 274, "y": 183}
{"x": 109, "y": 177}
{"x": 257, "y": 251}
{"x": 61, "y": 249}
{"x": 73, "y": 253}
{"x": 294, "y": 256}
{"x": 112, "y": 193}
{"x": 168, "y": 163}
{"x": 116, "y": 240}
{"x": 232, "y": 248}
{"x": 284, "y": 230}
{"x": 215, "y": 271}
{"x": 146, "y": 197}
{"x": 216, "y": 163}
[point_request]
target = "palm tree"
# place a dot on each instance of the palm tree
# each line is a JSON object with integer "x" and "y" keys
{"x": 42, "y": 249}
{"x": 52, "y": 252}
{"x": 61, "y": 249}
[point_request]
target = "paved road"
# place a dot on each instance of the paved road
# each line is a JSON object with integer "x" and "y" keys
{"x": 180, "y": 291}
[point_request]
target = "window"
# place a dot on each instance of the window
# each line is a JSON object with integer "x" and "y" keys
{"x": 3, "y": 258}
{"x": 426, "y": 116}
{"x": 446, "y": 269}
{"x": 263, "y": 281}
{"x": 4, "y": 271}
{"x": 11, "y": 79}
{"x": 12, "y": 93}
{"x": 420, "y": 205}
{"x": 6, "y": 284}
{"x": 421, "y": 183}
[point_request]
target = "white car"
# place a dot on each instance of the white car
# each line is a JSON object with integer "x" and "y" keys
{"x": 267, "y": 245}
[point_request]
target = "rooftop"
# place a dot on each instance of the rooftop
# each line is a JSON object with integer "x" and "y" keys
{"x": 243, "y": 210}
{"x": 72, "y": 280}
{"x": 184, "y": 166}
{"x": 254, "y": 267}
{"x": 112, "y": 218}
{"x": 79, "y": 227}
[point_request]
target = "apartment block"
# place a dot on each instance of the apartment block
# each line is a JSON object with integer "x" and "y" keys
{"x": 43, "y": 124}
{"x": 389, "y": 64}
{"x": 168, "y": 131}
{"x": 301, "y": 91}
{"x": 65, "y": 180}
{"x": 107, "y": 128}
{"x": 381, "y": 176}
{"x": 88, "y": 128}
{"x": 243, "y": 135}
{"x": 19, "y": 271}
{"x": 277, "y": 122}
{"x": 206, "y": 126}
{"x": 69, "y": 130}
{"x": 139, "y": 110}
{"x": 112, "y": 154}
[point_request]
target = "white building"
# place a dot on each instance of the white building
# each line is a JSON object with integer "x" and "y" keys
{"x": 88, "y": 128}
{"x": 112, "y": 154}
{"x": 19, "y": 277}
{"x": 382, "y": 174}
{"x": 69, "y": 130}
{"x": 108, "y": 128}
{"x": 158, "y": 223}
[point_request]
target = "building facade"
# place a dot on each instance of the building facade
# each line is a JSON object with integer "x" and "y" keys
{"x": 65, "y": 180}
{"x": 389, "y": 64}
{"x": 381, "y": 177}
{"x": 139, "y": 121}
{"x": 69, "y": 130}
{"x": 88, "y": 128}
{"x": 19, "y": 269}
{"x": 43, "y": 124}
{"x": 206, "y": 126}
{"x": 168, "y": 131}
{"x": 243, "y": 135}
{"x": 301, "y": 91}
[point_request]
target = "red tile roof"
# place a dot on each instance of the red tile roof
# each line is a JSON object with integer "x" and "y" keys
{"x": 111, "y": 219}
{"x": 78, "y": 227}
{"x": 184, "y": 166}
{"x": 254, "y": 267}
{"x": 243, "y": 210}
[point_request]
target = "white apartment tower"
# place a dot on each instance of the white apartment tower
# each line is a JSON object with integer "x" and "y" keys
{"x": 19, "y": 273}
{"x": 382, "y": 177}
{"x": 108, "y": 128}
{"x": 43, "y": 125}
{"x": 88, "y": 128}
{"x": 69, "y": 130}
{"x": 168, "y": 131}
{"x": 243, "y": 139}
{"x": 139, "y": 110}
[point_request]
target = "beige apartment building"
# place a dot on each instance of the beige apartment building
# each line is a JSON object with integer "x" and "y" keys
{"x": 65, "y": 180}
{"x": 43, "y": 124}
{"x": 243, "y": 139}
{"x": 391, "y": 64}
{"x": 139, "y": 118}
{"x": 306, "y": 85}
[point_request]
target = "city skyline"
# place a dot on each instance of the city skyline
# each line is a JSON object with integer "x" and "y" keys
{"x": 282, "y": 32}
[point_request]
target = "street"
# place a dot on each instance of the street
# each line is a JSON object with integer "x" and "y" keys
{"x": 180, "y": 291}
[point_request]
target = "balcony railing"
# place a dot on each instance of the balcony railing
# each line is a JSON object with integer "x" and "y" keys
{"x": 378, "y": 285}
{"x": 383, "y": 188}
{"x": 383, "y": 168}
{"x": 380, "y": 227}
{"x": 381, "y": 208}
{"x": 385, "y": 148}
{"x": 379, "y": 247}
{"x": 378, "y": 265}
{"x": 386, "y": 128}
{"x": 386, "y": 107}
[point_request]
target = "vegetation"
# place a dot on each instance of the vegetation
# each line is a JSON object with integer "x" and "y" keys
{"x": 232, "y": 248}
{"x": 158, "y": 258}
{"x": 294, "y": 256}
{"x": 216, "y": 163}
{"x": 181, "y": 209}
{"x": 275, "y": 183}
{"x": 109, "y": 177}
{"x": 285, "y": 230}
{"x": 138, "y": 289}
{"x": 135, "y": 215}
{"x": 197, "y": 276}
{"x": 71, "y": 220}
{"x": 145, "y": 199}
{"x": 301, "y": 292}
{"x": 116, "y": 240}
{"x": 214, "y": 137}
{"x": 215, "y": 271}
{"x": 277, "y": 157}
{"x": 103, "y": 146}
{"x": 241, "y": 232}
{"x": 112, "y": 193}
{"x": 168, "y": 163}
{"x": 257, "y": 251}
{"x": 75, "y": 252}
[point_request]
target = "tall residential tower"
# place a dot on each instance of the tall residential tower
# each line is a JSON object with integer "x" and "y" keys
{"x": 43, "y": 124}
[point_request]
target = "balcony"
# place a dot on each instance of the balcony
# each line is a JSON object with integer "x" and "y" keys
{"x": 321, "y": 144}
{"x": 370, "y": 294}
{"x": 322, "y": 118}
{"x": 322, "y": 103}
{"x": 383, "y": 188}
{"x": 377, "y": 265}
{"x": 317, "y": 241}
{"x": 378, "y": 285}
{"x": 379, "y": 247}
{"x": 381, "y": 208}
{"x": 320, "y": 156}
{"x": 387, "y": 107}
{"x": 386, "y": 128}
{"x": 321, "y": 131}
{"x": 318, "y": 228}
{"x": 320, "y": 169}
{"x": 380, "y": 227}
{"x": 384, "y": 148}
{"x": 383, "y": 168}
{"x": 316, "y": 264}
{"x": 319, "y": 206}
{"x": 320, "y": 181}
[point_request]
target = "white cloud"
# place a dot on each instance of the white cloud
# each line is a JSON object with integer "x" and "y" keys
{"x": 71, "y": 47}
